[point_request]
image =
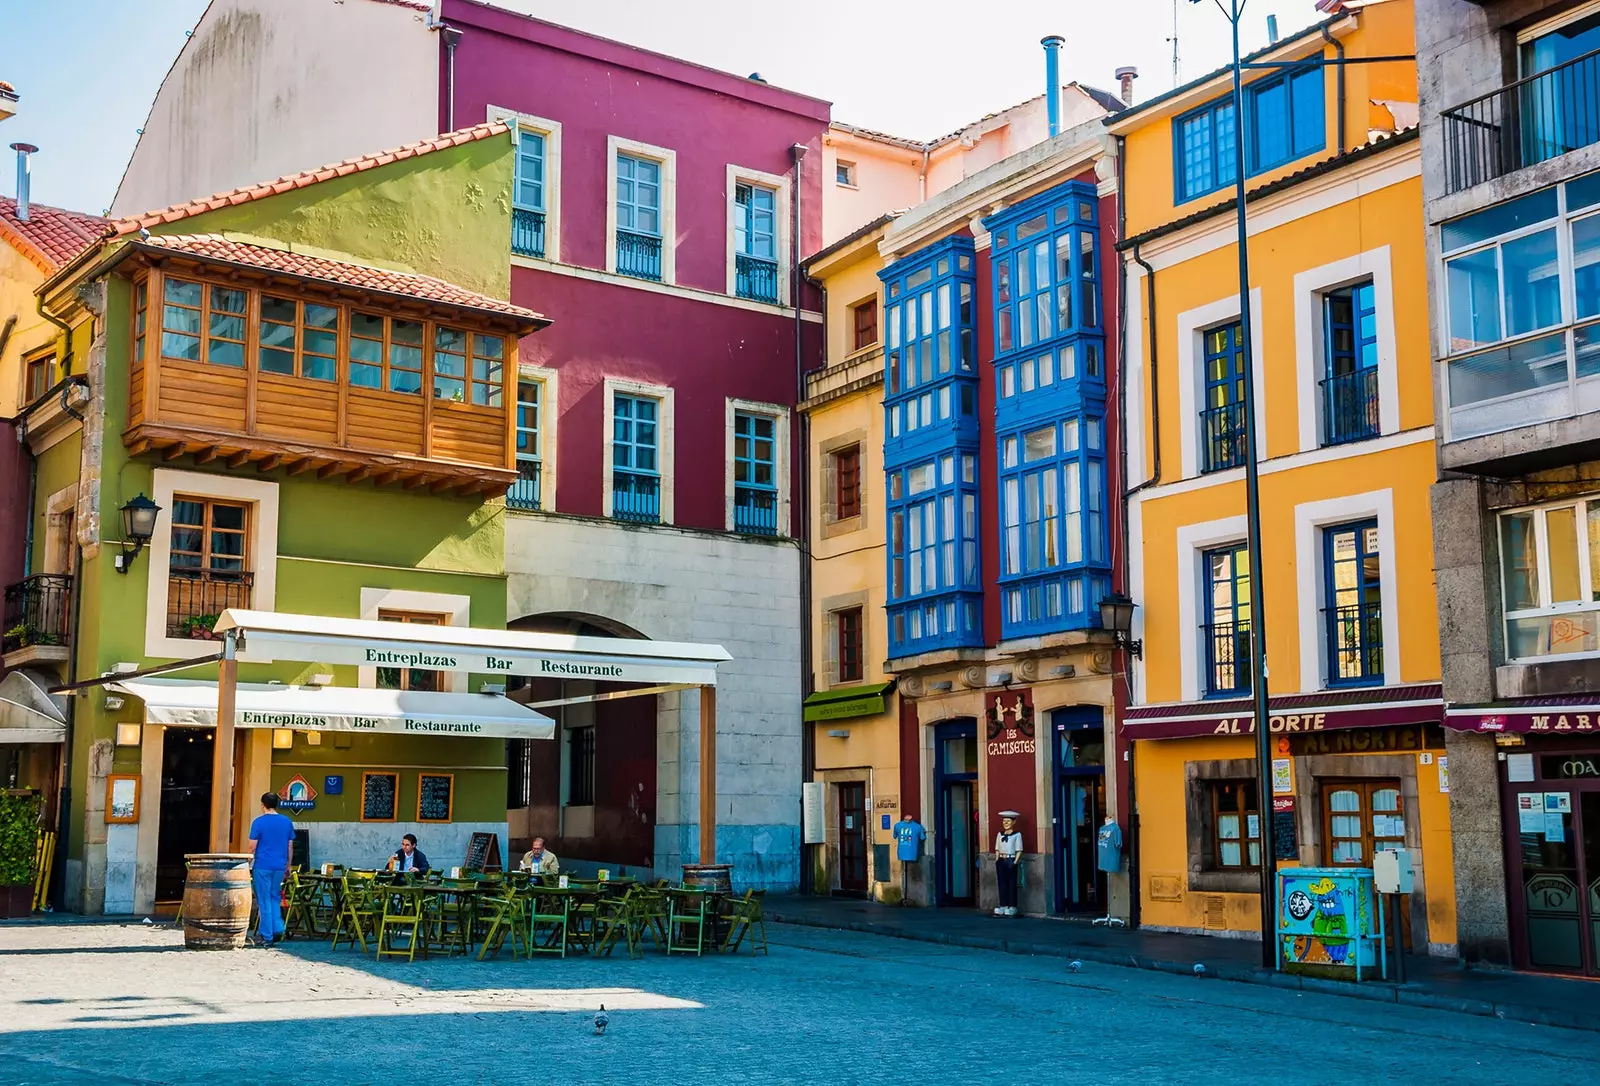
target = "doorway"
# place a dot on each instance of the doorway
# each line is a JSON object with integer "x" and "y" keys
{"x": 853, "y": 838}
{"x": 1080, "y": 807}
{"x": 185, "y": 825}
{"x": 1554, "y": 868}
{"x": 955, "y": 790}
{"x": 1361, "y": 818}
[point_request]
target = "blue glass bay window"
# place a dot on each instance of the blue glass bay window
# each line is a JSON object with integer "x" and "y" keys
{"x": 1050, "y": 403}
{"x": 930, "y": 450}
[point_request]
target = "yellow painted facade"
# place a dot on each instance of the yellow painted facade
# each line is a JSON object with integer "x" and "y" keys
{"x": 1354, "y": 215}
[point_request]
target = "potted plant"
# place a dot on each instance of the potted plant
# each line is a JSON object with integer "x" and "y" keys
{"x": 198, "y": 627}
{"x": 19, "y": 843}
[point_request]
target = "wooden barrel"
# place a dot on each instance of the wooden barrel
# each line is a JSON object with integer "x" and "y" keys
{"x": 717, "y": 877}
{"x": 216, "y": 901}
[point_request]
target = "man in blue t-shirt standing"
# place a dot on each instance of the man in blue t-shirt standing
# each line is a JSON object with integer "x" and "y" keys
{"x": 271, "y": 838}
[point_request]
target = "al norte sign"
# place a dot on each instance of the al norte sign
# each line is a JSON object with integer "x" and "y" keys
{"x": 265, "y": 645}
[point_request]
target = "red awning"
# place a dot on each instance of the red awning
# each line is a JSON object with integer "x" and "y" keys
{"x": 1578, "y": 714}
{"x": 1372, "y": 707}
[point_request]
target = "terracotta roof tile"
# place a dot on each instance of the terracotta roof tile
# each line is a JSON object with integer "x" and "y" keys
{"x": 134, "y": 223}
{"x": 51, "y": 236}
{"x": 304, "y": 266}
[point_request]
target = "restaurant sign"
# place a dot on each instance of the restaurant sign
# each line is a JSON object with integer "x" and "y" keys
{"x": 334, "y": 722}
{"x": 1539, "y": 720}
{"x": 1183, "y": 722}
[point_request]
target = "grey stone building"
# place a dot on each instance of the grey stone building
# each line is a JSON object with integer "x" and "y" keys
{"x": 1510, "y": 119}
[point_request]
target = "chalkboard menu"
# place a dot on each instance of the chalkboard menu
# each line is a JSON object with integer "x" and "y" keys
{"x": 435, "y": 795}
{"x": 1285, "y": 846}
{"x": 379, "y": 796}
{"x": 483, "y": 852}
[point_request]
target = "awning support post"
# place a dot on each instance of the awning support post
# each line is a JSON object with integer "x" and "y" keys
{"x": 222, "y": 753}
{"x": 708, "y": 774}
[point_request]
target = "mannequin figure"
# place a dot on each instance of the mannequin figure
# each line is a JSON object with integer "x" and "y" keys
{"x": 1007, "y": 854}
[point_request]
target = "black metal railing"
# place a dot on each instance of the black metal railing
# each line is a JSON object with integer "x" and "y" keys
{"x": 756, "y": 278}
{"x": 636, "y": 497}
{"x": 1222, "y": 437}
{"x": 196, "y": 597}
{"x": 38, "y": 611}
{"x": 1523, "y": 123}
{"x": 1228, "y": 659}
{"x": 527, "y": 232}
{"x": 755, "y": 510}
{"x": 1355, "y": 642}
{"x": 1350, "y": 407}
{"x": 524, "y": 493}
{"x": 638, "y": 255}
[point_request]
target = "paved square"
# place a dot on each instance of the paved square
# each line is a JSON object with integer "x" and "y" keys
{"x": 127, "y": 1004}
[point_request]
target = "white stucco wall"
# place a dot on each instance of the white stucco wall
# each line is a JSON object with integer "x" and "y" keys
{"x": 678, "y": 585}
{"x": 265, "y": 88}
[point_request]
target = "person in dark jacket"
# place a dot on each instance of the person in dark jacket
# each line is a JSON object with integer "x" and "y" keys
{"x": 410, "y": 857}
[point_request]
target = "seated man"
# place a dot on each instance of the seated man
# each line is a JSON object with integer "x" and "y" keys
{"x": 540, "y": 860}
{"x": 410, "y": 857}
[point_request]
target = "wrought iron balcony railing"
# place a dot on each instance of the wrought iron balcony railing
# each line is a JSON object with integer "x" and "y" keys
{"x": 1350, "y": 407}
{"x": 38, "y": 611}
{"x": 1222, "y": 437}
{"x": 524, "y": 493}
{"x": 755, "y": 510}
{"x": 1228, "y": 659}
{"x": 196, "y": 597}
{"x": 1355, "y": 643}
{"x": 636, "y": 497}
{"x": 638, "y": 255}
{"x": 1523, "y": 123}
{"x": 527, "y": 232}
{"x": 756, "y": 278}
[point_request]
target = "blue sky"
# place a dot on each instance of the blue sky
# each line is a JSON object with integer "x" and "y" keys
{"x": 88, "y": 69}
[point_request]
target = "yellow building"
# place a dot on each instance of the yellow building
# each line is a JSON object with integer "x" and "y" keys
{"x": 852, "y": 716}
{"x": 1339, "y": 339}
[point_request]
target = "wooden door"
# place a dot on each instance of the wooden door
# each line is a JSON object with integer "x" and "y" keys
{"x": 853, "y": 837}
{"x": 1360, "y": 819}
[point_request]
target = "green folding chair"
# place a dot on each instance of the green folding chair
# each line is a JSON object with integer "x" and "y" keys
{"x": 687, "y": 913}
{"x": 746, "y": 917}
{"x": 547, "y": 924}
{"x": 359, "y": 912}
{"x": 404, "y": 910}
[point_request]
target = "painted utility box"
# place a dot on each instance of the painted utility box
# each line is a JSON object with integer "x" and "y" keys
{"x": 1329, "y": 922}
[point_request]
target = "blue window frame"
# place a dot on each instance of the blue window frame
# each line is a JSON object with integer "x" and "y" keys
{"x": 1350, "y": 350}
{"x": 635, "y": 459}
{"x": 755, "y": 474}
{"x": 755, "y": 242}
{"x": 935, "y": 590}
{"x": 1353, "y": 597}
{"x": 1284, "y": 120}
{"x": 1204, "y": 149}
{"x": 638, "y": 217}
{"x": 527, "y": 203}
{"x": 525, "y": 492}
{"x": 1223, "y": 419}
{"x": 1226, "y": 631}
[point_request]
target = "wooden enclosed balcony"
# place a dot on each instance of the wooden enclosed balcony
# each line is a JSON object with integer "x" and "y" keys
{"x": 256, "y": 356}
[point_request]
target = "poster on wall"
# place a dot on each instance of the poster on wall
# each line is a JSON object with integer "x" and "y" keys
{"x": 1444, "y": 773}
{"x": 1530, "y": 813}
{"x": 1282, "y": 776}
{"x": 814, "y": 823}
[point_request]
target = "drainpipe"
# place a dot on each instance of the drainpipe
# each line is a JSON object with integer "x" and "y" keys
{"x": 802, "y": 512}
{"x": 1338, "y": 52}
{"x": 452, "y": 38}
{"x": 24, "y": 178}
{"x": 1052, "y": 80}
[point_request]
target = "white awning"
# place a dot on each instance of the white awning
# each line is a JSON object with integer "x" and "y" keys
{"x": 27, "y": 713}
{"x": 268, "y": 635}
{"x": 193, "y": 702}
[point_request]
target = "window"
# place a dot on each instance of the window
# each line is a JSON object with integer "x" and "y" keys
{"x": 755, "y": 242}
{"x": 1226, "y": 632}
{"x": 375, "y": 340}
{"x": 844, "y": 173}
{"x": 524, "y": 493}
{"x": 1286, "y": 114}
{"x": 1350, "y": 354}
{"x": 141, "y": 318}
{"x": 203, "y": 323}
{"x": 464, "y": 361}
{"x": 638, "y": 217}
{"x": 847, "y": 482}
{"x": 1557, "y": 107}
{"x": 635, "y": 460}
{"x": 528, "y": 200}
{"x": 1361, "y": 819}
{"x": 38, "y": 382}
{"x": 580, "y": 766}
{"x": 847, "y": 629}
{"x": 930, "y": 331}
{"x": 403, "y": 678}
{"x": 933, "y": 559}
{"x": 1353, "y": 605}
{"x": 1046, "y": 273}
{"x": 1222, "y": 420}
{"x": 1205, "y": 149}
{"x": 209, "y": 568}
{"x": 299, "y": 339}
{"x": 864, "y": 319}
{"x": 1235, "y": 825}
{"x": 1550, "y": 576}
{"x": 755, "y": 483}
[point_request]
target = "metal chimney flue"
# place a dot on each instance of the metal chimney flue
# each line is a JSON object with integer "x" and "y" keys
{"x": 24, "y": 177}
{"x": 1052, "y": 80}
{"x": 1272, "y": 30}
{"x": 1126, "y": 76}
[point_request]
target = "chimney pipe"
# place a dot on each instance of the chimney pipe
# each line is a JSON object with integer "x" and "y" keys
{"x": 1272, "y": 30}
{"x": 1052, "y": 80}
{"x": 24, "y": 176}
{"x": 1126, "y": 76}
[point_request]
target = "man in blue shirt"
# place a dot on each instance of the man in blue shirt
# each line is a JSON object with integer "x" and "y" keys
{"x": 271, "y": 839}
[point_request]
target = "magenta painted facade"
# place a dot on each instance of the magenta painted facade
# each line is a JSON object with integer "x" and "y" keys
{"x": 14, "y": 470}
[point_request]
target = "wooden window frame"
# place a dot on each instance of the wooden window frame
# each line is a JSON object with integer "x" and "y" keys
{"x": 42, "y": 362}
{"x": 846, "y": 485}
{"x": 1242, "y": 808}
{"x": 298, "y": 353}
{"x": 866, "y": 306}
{"x": 206, "y": 528}
{"x": 1365, "y": 788}
{"x": 141, "y": 322}
{"x": 850, "y": 644}
{"x": 415, "y": 618}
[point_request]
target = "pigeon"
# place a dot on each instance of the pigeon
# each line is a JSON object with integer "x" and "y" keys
{"x": 1199, "y": 969}
{"x": 1075, "y": 966}
{"x": 601, "y": 1021}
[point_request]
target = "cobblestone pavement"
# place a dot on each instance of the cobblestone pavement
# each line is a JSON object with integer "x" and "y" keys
{"x": 126, "y": 1004}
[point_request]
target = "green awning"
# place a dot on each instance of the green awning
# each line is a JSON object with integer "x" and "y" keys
{"x": 849, "y": 701}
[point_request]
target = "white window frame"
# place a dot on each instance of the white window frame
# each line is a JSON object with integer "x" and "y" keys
{"x": 1542, "y": 540}
{"x": 551, "y": 131}
{"x": 457, "y": 611}
{"x": 1555, "y": 22}
{"x": 1193, "y": 541}
{"x": 667, "y": 158}
{"x": 261, "y": 495}
{"x": 665, "y": 439}
{"x": 854, "y": 171}
{"x": 1311, "y": 519}
{"x": 1311, "y": 288}
{"x": 780, "y": 458}
{"x": 782, "y": 240}
{"x": 1192, "y": 326}
{"x": 550, "y": 380}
